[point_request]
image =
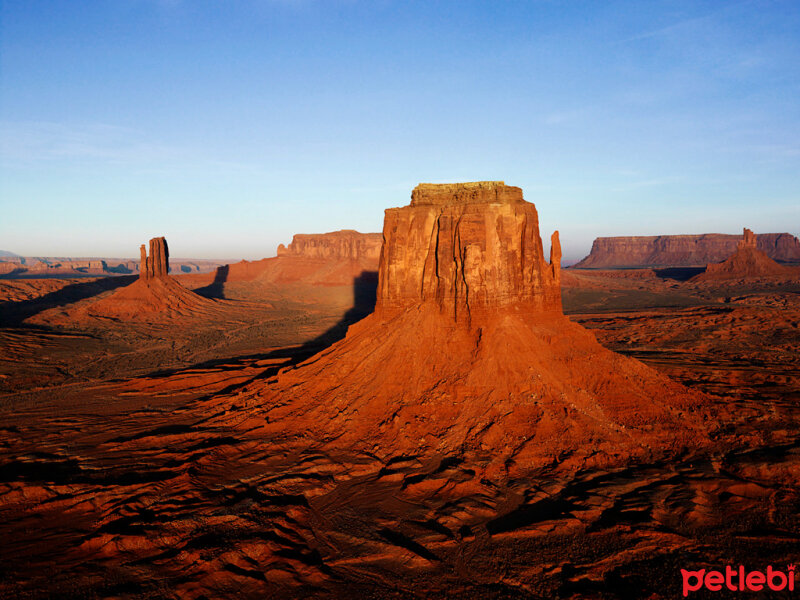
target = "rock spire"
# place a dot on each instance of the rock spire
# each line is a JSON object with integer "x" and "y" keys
{"x": 157, "y": 263}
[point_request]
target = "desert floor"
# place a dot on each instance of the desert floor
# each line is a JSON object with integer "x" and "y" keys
{"x": 119, "y": 478}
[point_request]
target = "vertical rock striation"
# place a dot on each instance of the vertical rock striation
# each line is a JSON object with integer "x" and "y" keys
{"x": 157, "y": 263}
{"x": 468, "y": 248}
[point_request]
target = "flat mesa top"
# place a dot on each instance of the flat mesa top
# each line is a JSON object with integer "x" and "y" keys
{"x": 471, "y": 192}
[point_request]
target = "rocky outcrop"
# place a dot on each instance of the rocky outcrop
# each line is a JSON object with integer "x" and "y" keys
{"x": 343, "y": 244}
{"x": 555, "y": 257}
{"x": 682, "y": 250}
{"x": 467, "y": 248}
{"x": 469, "y": 354}
{"x": 157, "y": 263}
{"x": 746, "y": 263}
{"x": 748, "y": 241}
{"x": 154, "y": 296}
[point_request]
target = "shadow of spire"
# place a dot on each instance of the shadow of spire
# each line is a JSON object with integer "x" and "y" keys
{"x": 216, "y": 289}
{"x": 12, "y": 314}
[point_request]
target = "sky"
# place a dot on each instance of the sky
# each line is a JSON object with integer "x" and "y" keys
{"x": 228, "y": 126}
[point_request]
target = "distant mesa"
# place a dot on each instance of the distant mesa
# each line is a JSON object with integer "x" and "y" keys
{"x": 337, "y": 258}
{"x": 345, "y": 244}
{"x": 320, "y": 259}
{"x": 746, "y": 262}
{"x": 682, "y": 250}
{"x": 468, "y": 350}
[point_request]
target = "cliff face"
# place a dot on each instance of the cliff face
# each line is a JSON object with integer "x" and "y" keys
{"x": 466, "y": 248}
{"x": 682, "y": 250}
{"x": 337, "y": 244}
{"x": 468, "y": 351}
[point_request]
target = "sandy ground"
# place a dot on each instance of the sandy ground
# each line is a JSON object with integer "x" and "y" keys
{"x": 130, "y": 469}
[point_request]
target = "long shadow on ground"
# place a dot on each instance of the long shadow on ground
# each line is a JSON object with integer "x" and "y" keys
{"x": 364, "y": 297}
{"x": 12, "y": 314}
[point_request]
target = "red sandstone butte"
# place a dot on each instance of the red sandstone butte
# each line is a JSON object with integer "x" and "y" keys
{"x": 154, "y": 295}
{"x": 468, "y": 350}
{"x": 747, "y": 262}
{"x": 466, "y": 247}
{"x": 682, "y": 250}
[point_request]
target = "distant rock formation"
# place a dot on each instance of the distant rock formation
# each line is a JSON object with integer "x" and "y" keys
{"x": 748, "y": 241}
{"x": 154, "y": 296}
{"x": 682, "y": 250}
{"x": 6, "y": 268}
{"x": 468, "y": 352}
{"x": 157, "y": 263}
{"x": 51, "y": 266}
{"x": 337, "y": 258}
{"x": 747, "y": 262}
{"x": 337, "y": 244}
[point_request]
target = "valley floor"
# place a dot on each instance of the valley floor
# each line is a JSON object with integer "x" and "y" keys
{"x": 119, "y": 479}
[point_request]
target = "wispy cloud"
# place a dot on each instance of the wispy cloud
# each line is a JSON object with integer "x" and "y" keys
{"x": 46, "y": 141}
{"x": 663, "y": 31}
{"x": 682, "y": 24}
{"x": 37, "y": 142}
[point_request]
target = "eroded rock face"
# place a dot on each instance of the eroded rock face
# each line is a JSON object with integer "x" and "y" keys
{"x": 337, "y": 244}
{"x": 682, "y": 250}
{"x": 157, "y": 263}
{"x": 467, "y": 248}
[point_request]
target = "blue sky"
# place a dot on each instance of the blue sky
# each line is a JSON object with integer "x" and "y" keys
{"x": 229, "y": 126}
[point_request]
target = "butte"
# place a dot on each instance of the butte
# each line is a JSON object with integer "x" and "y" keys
{"x": 153, "y": 295}
{"x": 468, "y": 352}
{"x": 747, "y": 262}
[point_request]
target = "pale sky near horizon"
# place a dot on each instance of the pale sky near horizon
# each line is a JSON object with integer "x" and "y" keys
{"x": 229, "y": 126}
